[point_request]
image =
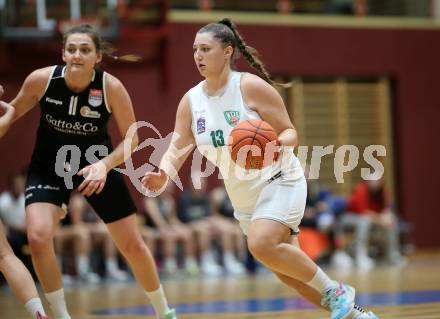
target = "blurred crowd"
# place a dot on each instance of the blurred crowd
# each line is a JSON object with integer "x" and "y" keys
{"x": 193, "y": 233}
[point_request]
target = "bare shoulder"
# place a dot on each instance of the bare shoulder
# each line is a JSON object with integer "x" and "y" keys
{"x": 184, "y": 104}
{"x": 40, "y": 76}
{"x": 36, "y": 82}
{"x": 112, "y": 82}
{"x": 252, "y": 83}
{"x": 255, "y": 90}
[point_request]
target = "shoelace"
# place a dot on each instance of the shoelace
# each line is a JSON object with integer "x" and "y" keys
{"x": 359, "y": 308}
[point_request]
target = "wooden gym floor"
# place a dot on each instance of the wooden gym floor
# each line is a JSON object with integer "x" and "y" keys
{"x": 409, "y": 292}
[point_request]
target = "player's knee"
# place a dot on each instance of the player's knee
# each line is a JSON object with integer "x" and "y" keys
{"x": 133, "y": 248}
{"x": 39, "y": 239}
{"x": 260, "y": 247}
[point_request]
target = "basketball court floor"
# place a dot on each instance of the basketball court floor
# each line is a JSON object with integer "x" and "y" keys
{"x": 409, "y": 292}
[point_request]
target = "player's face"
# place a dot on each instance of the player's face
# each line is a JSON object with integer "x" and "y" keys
{"x": 80, "y": 53}
{"x": 209, "y": 54}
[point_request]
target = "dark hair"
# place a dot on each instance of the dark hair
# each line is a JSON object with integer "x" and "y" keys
{"x": 101, "y": 46}
{"x": 226, "y": 32}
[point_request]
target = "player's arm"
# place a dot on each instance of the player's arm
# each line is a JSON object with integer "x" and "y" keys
{"x": 7, "y": 114}
{"x": 122, "y": 108}
{"x": 28, "y": 96}
{"x": 31, "y": 91}
{"x": 182, "y": 141}
{"x": 120, "y": 104}
{"x": 261, "y": 97}
{"x": 181, "y": 145}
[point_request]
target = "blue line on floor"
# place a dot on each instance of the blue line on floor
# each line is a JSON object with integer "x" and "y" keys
{"x": 280, "y": 304}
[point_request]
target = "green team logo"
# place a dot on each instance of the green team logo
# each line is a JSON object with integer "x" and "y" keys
{"x": 232, "y": 117}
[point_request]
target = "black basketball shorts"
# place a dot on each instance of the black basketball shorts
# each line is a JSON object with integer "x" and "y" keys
{"x": 112, "y": 204}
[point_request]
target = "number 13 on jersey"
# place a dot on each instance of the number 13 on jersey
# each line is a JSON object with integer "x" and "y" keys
{"x": 217, "y": 138}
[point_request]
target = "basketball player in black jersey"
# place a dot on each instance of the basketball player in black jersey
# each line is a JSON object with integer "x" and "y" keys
{"x": 76, "y": 102}
{"x": 17, "y": 275}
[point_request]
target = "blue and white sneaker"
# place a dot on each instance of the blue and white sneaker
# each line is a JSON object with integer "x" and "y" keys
{"x": 340, "y": 300}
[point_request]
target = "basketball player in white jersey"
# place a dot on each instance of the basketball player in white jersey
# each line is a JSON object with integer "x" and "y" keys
{"x": 270, "y": 206}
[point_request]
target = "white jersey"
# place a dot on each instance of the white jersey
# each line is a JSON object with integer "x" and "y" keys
{"x": 213, "y": 118}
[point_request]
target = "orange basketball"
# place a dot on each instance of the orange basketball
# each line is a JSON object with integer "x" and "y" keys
{"x": 248, "y": 141}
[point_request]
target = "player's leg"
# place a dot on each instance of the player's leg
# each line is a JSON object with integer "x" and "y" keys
{"x": 128, "y": 240}
{"x": 279, "y": 210}
{"x": 314, "y": 296}
{"x": 19, "y": 278}
{"x": 116, "y": 208}
{"x": 102, "y": 238}
{"x": 269, "y": 242}
{"x": 42, "y": 219}
{"x": 43, "y": 212}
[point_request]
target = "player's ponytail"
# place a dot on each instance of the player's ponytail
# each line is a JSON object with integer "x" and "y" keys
{"x": 226, "y": 32}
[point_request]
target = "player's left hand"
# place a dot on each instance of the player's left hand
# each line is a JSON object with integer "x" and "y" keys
{"x": 95, "y": 176}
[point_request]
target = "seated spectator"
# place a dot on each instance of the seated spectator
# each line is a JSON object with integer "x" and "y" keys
{"x": 100, "y": 238}
{"x": 223, "y": 217}
{"x": 369, "y": 206}
{"x": 161, "y": 211}
{"x": 85, "y": 231}
{"x": 13, "y": 215}
{"x": 320, "y": 219}
{"x": 72, "y": 231}
{"x": 148, "y": 233}
{"x": 195, "y": 211}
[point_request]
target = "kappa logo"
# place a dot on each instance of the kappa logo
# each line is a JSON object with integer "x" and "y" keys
{"x": 95, "y": 97}
{"x": 232, "y": 117}
{"x": 85, "y": 111}
{"x": 53, "y": 101}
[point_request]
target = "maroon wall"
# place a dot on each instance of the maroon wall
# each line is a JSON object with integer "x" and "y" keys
{"x": 410, "y": 57}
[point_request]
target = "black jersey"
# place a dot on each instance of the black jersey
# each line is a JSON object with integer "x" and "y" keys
{"x": 70, "y": 118}
{"x": 80, "y": 119}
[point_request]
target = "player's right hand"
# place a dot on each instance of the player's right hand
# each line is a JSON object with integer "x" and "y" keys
{"x": 7, "y": 112}
{"x": 5, "y": 107}
{"x": 1, "y": 91}
{"x": 155, "y": 181}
